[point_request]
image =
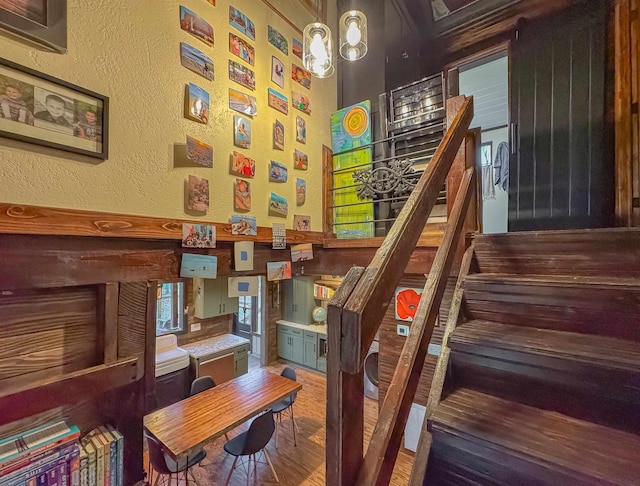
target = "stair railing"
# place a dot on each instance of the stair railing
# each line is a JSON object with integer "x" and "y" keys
{"x": 356, "y": 311}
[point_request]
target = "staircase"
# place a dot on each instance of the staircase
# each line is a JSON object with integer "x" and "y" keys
{"x": 543, "y": 379}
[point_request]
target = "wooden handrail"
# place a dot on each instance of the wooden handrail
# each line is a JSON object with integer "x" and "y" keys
{"x": 356, "y": 311}
{"x": 368, "y": 302}
{"x": 380, "y": 457}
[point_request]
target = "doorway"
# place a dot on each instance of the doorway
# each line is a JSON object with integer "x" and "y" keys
{"x": 248, "y": 322}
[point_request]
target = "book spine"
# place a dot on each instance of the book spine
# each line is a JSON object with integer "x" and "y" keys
{"x": 63, "y": 474}
{"x": 74, "y": 472}
{"x": 42, "y": 460}
{"x": 84, "y": 468}
{"x": 35, "y": 454}
{"x": 42, "y": 472}
{"x": 99, "y": 460}
{"x": 92, "y": 469}
{"x": 53, "y": 478}
{"x": 119, "y": 440}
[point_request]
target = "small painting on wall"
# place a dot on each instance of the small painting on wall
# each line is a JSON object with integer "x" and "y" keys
{"x": 302, "y": 252}
{"x": 296, "y": 47}
{"x": 243, "y": 225}
{"x": 239, "y": 47}
{"x": 277, "y": 40}
{"x": 243, "y": 286}
{"x": 301, "y": 223}
{"x": 241, "y": 132}
{"x": 278, "y": 101}
{"x": 243, "y": 255}
{"x": 242, "y": 75}
{"x": 301, "y": 76}
{"x": 278, "y": 205}
{"x": 198, "y": 235}
{"x": 301, "y": 130}
{"x": 301, "y": 102}
{"x": 196, "y": 26}
{"x": 277, "y": 71}
{"x": 242, "y": 165}
{"x": 300, "y": 160}
{"x": 198, "y": 266}
{"x": 278, "y": 135}
{"x": 278, "y": 271}
{"x": 301, "y": 191}
{"x": 197, "y": 105}
{"x": 241, "y": 22}
{"x": 199, "y": 152}
{"x": 406, "y": 303}
{"x": 197, "y": 194}
{"x": 242, "y": 102}
{"x": 196, "y": 61}
{"x": 277, "y": 172}
{"x": 242, "y": 198}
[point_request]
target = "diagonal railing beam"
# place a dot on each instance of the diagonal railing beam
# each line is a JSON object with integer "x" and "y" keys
{"x": 379, "y": 460}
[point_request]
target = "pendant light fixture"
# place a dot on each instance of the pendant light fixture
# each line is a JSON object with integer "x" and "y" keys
{"x": 317, "y": 48}
{"x": 353, "y": 35}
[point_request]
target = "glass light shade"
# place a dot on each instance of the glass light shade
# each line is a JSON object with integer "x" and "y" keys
{"x": 353, "y": 35}
{"x": 317, "y": 50}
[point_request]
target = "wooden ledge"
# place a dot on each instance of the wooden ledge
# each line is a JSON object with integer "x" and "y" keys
{"x": 37, "y": 220}
{"x": 72, "y": 388}
{"x": 431, "y": 237}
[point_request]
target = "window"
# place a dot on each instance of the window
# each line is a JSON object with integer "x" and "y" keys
{"x": 170, "y": 316}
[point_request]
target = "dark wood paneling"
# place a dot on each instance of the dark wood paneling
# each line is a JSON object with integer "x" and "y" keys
{"x": 46, "y": 334}
{"x": 561, "y": 171}
{"x": 275, "y": 309}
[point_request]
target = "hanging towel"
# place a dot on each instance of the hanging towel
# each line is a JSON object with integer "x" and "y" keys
{"x": 488, "y": 187}
{"x": 501, "y": 166}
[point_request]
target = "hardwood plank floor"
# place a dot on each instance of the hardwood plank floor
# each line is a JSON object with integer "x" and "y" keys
{"x": 301, "y": 465}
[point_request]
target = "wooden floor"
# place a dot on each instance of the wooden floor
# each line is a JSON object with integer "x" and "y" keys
{"x": 301, "y": 465}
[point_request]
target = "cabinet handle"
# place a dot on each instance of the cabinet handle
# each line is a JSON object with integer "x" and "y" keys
{"x": 314, "y": 348}
{"x": 219, "y": 308}
{"x": 224, "y": 307}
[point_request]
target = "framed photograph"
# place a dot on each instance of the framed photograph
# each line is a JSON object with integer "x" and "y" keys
{"x": 196, "y": 106}
{"x": 242, "y": 197}
{"x": 240, "y": 21}
{"x": 296, "y": 47}
{"x": 197, "y": 194}
{"x": 277, "y": 71}
{"x": 278, "y": 101}
{"x": 241, "y": 132}
{"x": 43, "y": 110}
{"x": 278, "y": 205}
{"x": 41, "y": 21}
{"x": 242, "y": 75}
{"x": 301, "y": 191}
{"x": 240, "y": 48}
{"x": 196, "y": 61}
{"x": 301, "y": 223}
{"x": 243, "y": 103}
{"x": 301, "y": 102}
{"x": 278, "y": 172}
{"x": 278, "y": 135}
{"x": 278, "y": 271}
{"x": 242, "y": 165}
{"x": 198, "y": 235}
{"x": 277, "y": 40}
{"x": 243, "y": 225}
{"x": 199, "y": 152}
{"x": 301, "y": 130}
{"x": 196, "y": 26}
{"x": 300, "y": 160}
{"x": 301, "y": 76}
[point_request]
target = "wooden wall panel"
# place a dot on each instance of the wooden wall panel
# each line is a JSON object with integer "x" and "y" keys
{"x": 627, "y": 123}
{"x": 275, "y": 309}
{"x": 46, "y": 334}
{"x": 391, "y": 344}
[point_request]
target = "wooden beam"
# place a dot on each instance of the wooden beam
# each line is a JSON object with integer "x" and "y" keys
{"x": 345, "y": 397}
{"x": 623, "y": 115}
{"x": 69, "y": 389}
{"x": 108, "y": 320}
{"x": 419, "y": 469}
{"x": 366, "y": 306}
{"x": 379, "y": 460}
{"x": 36, "y": 220}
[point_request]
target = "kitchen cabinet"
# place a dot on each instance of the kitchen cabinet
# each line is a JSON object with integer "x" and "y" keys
{"x": 299, "y": 300}
{"x": 222, "y": 357}
{"x": 211, "y": 298}
{"x": 299, "y": 346}
{"x": 171, "y": 388}
{"x": 241, "y": 360}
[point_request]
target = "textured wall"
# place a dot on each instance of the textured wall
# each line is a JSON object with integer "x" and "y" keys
{"x": 130, "y": 51}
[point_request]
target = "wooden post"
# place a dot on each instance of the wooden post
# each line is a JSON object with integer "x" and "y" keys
{"x": 345, "y": 397}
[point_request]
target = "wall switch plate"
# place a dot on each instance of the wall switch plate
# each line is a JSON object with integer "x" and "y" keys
{"x": 195, "y": 327}
{"x": 403, "y": 330}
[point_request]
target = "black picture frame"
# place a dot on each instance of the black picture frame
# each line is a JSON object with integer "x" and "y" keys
{"x": 51, "y": 112}
{"x": 48, "y": 29}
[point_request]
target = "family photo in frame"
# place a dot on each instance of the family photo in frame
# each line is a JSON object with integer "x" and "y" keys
{"x": 43, "y": 110}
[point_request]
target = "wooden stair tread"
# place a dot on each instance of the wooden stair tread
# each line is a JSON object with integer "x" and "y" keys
{"x": 599, "y": 350}
{"x": 556, "y": 441}
{"x": 555, "y": 280}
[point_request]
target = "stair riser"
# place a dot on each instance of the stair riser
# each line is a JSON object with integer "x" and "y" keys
{"x": 574, "y": 374}
{"x": 503, "y": 468}
{"x": 586, "y": 253}
{"x": 443, "y": 473}
{"x": 520, "y": 383}
{"x": 607, "y": 313}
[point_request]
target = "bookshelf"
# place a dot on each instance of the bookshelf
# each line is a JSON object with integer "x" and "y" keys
{"x": 325, "y": 287}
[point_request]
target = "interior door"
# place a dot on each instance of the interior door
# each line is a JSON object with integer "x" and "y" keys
{"x": 560, "y": 169}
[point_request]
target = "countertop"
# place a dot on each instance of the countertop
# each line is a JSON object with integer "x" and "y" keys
{"x": 214, "y": 345}
{"x": 317, "y": 328}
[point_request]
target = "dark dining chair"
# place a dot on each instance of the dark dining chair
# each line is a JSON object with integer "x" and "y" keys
{"x": 163, "y": 465}
{"x": 201, "y": 384}
{"x": 286, "y": 405}
{"x": 252, "y": 442}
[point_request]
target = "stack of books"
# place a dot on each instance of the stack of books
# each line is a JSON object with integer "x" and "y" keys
{"x": 53, "y": 455}
{"x": 322, "y": 292}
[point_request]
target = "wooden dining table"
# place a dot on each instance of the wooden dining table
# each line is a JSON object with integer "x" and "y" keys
{"x": 185, "y": 426}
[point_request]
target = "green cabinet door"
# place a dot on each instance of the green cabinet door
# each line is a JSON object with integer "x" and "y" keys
{"x": 297, "y": 349}
{"x": 310, "y": 353}
{"x": 303, "y": 300}
{"x": 284, "y": 343}
{"x": 289, "y": 299}
{"x": 242, "y": 365}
